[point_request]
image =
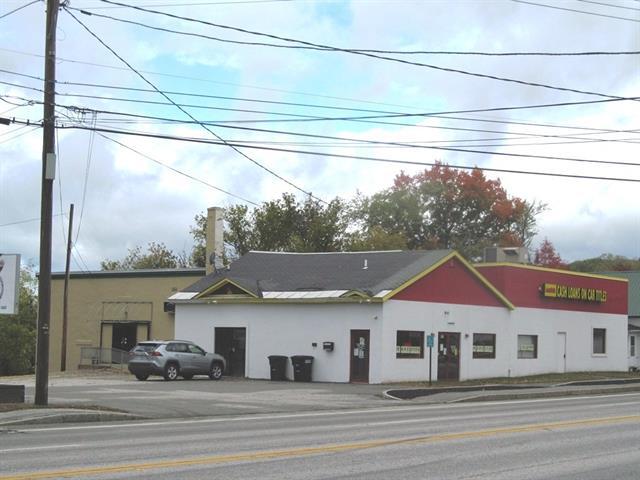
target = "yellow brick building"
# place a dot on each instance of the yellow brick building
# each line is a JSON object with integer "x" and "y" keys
{"x": 109, "y": 311}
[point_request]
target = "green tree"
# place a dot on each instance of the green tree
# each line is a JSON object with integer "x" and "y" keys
{"x": 18, "y": 332}
{"x": 287, "y": 224}
{"x": 156, "y": 256}
{"x": 199, "y": 233}
{"x": 605, "y": 262}
{"x": 447, "y": 208}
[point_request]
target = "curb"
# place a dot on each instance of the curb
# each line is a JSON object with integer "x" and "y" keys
{"x": 30, "y": 417}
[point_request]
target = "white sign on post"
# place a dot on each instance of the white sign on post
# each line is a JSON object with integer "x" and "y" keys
{"x": 9, "y": 284}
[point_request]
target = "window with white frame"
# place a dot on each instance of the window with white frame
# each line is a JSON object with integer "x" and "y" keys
{"x": 527, "y": 346}
{"x": 599, "y": 341}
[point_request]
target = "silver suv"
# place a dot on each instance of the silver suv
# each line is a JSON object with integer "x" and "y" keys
{"x": 174, "y": 358}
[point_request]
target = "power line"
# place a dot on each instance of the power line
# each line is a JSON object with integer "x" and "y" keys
{"x": 385, "y": 114}
{"x": 328, "y": 137}
{"x": 361, "y": 53}
{"x": 226, "y": 192}
{"x": 86, "y": 176}
{"x": 196, "y": 4}
{"x": 609, "y": 5}
{"x": 17, "y": 9}
{"x": 187, "y": 113}
{"x": 356, "y": 50}
{"x": 576, "y": 11}
{"x": 29, "y": 220}
{"x": 354, "y": 157}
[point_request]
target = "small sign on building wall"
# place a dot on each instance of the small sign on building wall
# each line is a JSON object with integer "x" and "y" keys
{"x": 9, "y": 283}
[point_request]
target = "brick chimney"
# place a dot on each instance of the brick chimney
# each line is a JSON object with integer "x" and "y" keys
{"x": 214, "y": 244}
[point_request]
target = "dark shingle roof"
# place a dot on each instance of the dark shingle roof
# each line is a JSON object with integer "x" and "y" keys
{"x": 273, "y": 272}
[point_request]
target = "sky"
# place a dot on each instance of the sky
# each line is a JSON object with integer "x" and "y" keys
{"x": 127, "y": 189}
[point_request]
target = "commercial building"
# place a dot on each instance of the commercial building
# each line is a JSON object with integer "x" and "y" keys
{"x": 368, "y": 316}
{"x": 109, "y": 311}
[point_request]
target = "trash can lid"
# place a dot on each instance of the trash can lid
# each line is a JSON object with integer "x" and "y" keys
{"x": 301, "y": 358}
{"x": 277, "y": 357}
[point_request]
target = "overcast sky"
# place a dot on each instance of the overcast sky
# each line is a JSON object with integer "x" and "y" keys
{"x": 123, "y": 199}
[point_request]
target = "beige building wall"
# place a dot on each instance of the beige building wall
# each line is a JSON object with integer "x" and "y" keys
{"x": 101, "y": 301}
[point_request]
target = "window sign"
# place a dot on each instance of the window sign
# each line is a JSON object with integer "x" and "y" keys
{"x": 409, "y": 344}
{"x": 527, "y": 346}
{"x": 484, "y": 345}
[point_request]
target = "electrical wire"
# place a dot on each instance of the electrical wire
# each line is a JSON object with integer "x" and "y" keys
{"x": 576, "y": 11}
{"x": 385, "y": 114}
{"x": 199, "y": 180}
{"x": 354, "y": 50}
{"x": 361, "y": 53}
{"x": 29, "y": 220}
{"x": 328, "y": 137}
{"x": 309, "y": 194}
{"x": 352, "y": 157}
{"x": 609, "y": 5}
{"x": 17, "y": 9}
{"x": 86, "y": 175}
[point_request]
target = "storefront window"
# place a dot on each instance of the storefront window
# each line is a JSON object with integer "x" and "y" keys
{"x": 409, "y": 344}
{"x": 484, "y": 345}
{"x": 599, "y": 341}
{"x": 527, "y": 346}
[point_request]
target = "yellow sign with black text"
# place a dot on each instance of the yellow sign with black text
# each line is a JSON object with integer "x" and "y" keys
{"x": 566, "y": 292}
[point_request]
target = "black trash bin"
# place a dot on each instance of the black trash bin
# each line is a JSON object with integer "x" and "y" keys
{"x": 302, "y": 367}
{"x": 278, "y": 364}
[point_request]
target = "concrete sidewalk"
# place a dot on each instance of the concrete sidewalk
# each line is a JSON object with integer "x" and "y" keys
{"x": 203, "y": 398}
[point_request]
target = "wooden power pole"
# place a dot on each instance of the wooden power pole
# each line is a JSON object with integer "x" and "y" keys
{"x": 65, "y": 301}
{"x": 46, "y": 214}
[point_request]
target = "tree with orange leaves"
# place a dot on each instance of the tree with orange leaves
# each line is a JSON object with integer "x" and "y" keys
{"x": 443, "y": 207}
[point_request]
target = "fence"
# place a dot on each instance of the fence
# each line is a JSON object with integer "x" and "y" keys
{"x": 101, "y": 357}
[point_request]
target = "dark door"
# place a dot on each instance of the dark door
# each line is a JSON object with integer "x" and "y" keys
{"x": 448, "y": 356}
{"x": 359, "y": 356}
{"x": 124, "y": 336}
{"x": 231, "y": 344}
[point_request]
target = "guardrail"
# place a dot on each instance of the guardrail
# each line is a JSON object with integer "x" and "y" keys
{"x": 100, "y": 357}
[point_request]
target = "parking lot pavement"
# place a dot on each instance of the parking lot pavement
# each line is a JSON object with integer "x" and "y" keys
{"x": 156, "y": 398}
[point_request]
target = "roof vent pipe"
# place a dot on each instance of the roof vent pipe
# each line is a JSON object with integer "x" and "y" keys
{"x": 365, "y": 266}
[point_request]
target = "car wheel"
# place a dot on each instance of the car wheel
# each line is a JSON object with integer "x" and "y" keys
{"x": 187, "y": 376}
{"x": 142, "y": 377}
{"x": 215, "y": 373}
{"x": 171, "y": 371}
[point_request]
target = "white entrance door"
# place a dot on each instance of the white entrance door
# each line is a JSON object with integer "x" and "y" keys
{"x": 561, "y": 352}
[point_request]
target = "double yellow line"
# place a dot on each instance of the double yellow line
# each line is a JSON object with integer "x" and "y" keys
{"x": 300, "y": 452}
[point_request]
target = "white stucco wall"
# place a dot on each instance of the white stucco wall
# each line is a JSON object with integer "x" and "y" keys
{"x": 507, "y": 325}
{"x": 291, "y": 330}
{"x": 288, "y": 330}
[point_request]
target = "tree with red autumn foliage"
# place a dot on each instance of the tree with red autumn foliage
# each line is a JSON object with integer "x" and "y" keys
{"x": 443, "y": 207}
{"x": 546, "y": 256}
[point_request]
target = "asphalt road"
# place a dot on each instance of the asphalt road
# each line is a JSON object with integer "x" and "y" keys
{"x": 588, "y": 438}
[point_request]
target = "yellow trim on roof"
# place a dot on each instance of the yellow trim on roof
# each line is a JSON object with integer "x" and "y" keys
{"x": 552, "y": 270}
{"x": 467, "y": 265}
{"x": 220, "y": 284}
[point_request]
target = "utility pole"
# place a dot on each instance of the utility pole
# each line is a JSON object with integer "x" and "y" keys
{"x": 65, "y": 303}
{"x": 46, "y": 214}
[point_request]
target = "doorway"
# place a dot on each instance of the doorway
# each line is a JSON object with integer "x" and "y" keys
{"x": 124, "y": 336}
{"x": 231, "y": 344}
{"x": 359, "y": 371}
{"x": 448, "y": 356}
{"x": 562, "y": 352}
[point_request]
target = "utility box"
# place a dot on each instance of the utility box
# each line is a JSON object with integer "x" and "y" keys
{"x": 11, "y": 393}
{"x": 506, "y": 254}
{"x": 327, "y": 346}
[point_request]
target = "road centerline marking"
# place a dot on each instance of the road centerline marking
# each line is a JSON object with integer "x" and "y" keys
{"x": 306, "y": 451}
